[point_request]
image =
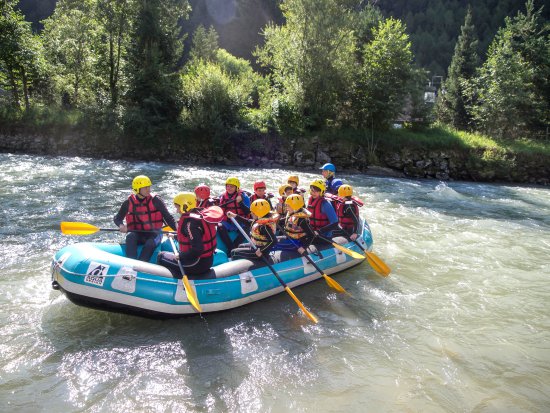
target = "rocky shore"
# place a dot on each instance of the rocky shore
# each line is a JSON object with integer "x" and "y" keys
{"x": 267, "y": 151}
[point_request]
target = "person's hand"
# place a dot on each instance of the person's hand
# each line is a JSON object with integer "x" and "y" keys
{"x": 301, "y": 250}
{"x": 316, "y": 233}
{"x": 353, "y": 237}
{"x": 169, "y": 235}
{"x": 258, "y": 253}
{"x": 231, "y": 214}
{"x": 123, "y": 228}
{"x": 239, "y": 199}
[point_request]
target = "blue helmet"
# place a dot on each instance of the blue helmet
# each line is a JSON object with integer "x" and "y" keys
{"x": 328, "y": 167}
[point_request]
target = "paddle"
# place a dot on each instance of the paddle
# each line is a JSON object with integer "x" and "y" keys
{"x": 345, "y": 250}
{"x": 82, "y": 228}
{"x": 374, "y": 260}
{"x": 330, "y": 281}
{"x": 191, "y": 294}
{"x": 286, "y": 287}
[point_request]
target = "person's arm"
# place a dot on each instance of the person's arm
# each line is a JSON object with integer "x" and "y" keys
{"x": 245, "y": 203}
{"x": 328, "y": 210}
{"x": 121, "y": 214}
{"x": 271, "y": 238}
{"x": 166, "y": 216}
{"x": 351, "y": 212}
{"x": 193, "y": 227}
{"x": 307, "y": 239}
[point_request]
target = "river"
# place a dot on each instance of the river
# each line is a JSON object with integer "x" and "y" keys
{"x": 461, "y": 325}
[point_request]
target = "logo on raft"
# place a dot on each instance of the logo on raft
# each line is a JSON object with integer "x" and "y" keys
{"x": 95, "y": 273}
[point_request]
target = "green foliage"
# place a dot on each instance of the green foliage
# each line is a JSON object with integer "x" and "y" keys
{"x": 512, "y": 88}
{"x": 21, "y": 61}
{"x": 205, "y": 44}
{"x": 154, "y": 94}
{"x": 214, "y": 98}
{"x": 69, "y": 37}
{"x": 452, "y": 102}
{"x": 385, "y": 76}
{"x": 311, "y": 59}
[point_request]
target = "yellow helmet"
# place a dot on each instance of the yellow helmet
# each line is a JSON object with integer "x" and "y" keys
{"x": 319, "y": 183}
{"x": 260, "y": 208}
{"x": 140, "y": 181}
{"x": 283, "y": 188}
{"x": 186, "y": 201}
{"x": 345, "y": 190}
{"x": 293, "y": 178}
{"x": 295, "y": 201}
{"x": 233, "y": 181}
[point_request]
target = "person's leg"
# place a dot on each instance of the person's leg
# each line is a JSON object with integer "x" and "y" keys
{"x": 224, "y": 236}
{"x": 131, "y": 245}
{"x": 200, "y": 268}
{"x": 167, "y": 259}
{"x": 149, "y": 245}
{"x": 237, "y": 241}
{"x": 246, "y": 253}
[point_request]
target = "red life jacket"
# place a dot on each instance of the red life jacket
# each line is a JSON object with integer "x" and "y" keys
{"x": 142, "y": 214}
{"x": 208, "y": 235}
{"x": 257, "y": 238}
{"x": 231, "y": 206}
{"x": 346, "y": 222}
{"x": 318, "y": 219}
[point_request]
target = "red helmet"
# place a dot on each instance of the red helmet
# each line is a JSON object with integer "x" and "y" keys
{"x": 259, "y": 184}
{"x": 202, "y": 191}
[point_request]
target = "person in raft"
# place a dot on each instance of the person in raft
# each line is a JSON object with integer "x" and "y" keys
{"x": 332, "y": 183}
{"x": 259, "y": 193}
{"x": 196, "y": 238}
{"x": 347, "y": 210}
{"x": 262, "y": 231}
{"x": 297, "y": 225}
{"x": 323, "y": 216}
{"x": 202, "y": 192}
{"x": 145, "y": 215}
{"x": 236, "y": 201}
{"x": 294, "y": 181}
{"x": 281, "y": 208}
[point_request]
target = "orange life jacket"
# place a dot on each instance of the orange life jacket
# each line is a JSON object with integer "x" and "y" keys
{"x": 292, "y": 229}
{"x": 257, "y": 238}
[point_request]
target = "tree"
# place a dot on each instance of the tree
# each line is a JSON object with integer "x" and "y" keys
{"x": 115, "y": 18}
{"x": 385, "y": 76}
{"x": 205, "y": 44}
{"x": 311, "y": 59}
{"x": 154, "y": 95}
{"x": 451, "y": 105}
{"x": 70, "y": 36}
{"x": 512, "y": 86}
{"x": 20, "y": 54}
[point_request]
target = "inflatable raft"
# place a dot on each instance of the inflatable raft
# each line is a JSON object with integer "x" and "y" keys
{"x": 98, "y": 275}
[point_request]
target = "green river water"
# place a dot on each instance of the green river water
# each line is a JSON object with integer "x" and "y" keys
{"x": 461, "y": 325}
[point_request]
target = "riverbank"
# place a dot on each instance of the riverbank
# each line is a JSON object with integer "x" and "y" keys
{"x": 435, "y": 153}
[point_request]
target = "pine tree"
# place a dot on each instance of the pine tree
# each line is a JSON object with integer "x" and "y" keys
{"x": 451, "y": 104}
{"x": 154, "y": 95}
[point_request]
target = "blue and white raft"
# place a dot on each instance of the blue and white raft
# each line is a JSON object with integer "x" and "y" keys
{"x": 98, "y": 275}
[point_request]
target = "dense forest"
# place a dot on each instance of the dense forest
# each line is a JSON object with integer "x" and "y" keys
{"x": 148, "y": 69}
{"x": 433, "y": 25}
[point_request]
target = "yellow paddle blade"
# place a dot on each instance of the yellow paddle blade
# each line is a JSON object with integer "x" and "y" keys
{"x": 167, "y": 228}
{"x": 332, "y": 283}
{"x": 306, "y": 312}
{"x": 351, "y": 253}
{"x": 377, "y": 263}
{"x": 78, "y": 228}
{"x": 191, "y": 294}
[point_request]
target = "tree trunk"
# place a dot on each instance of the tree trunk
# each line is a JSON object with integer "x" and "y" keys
{"x": 14, "y": 91}
{"x": 25, "y": 88}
